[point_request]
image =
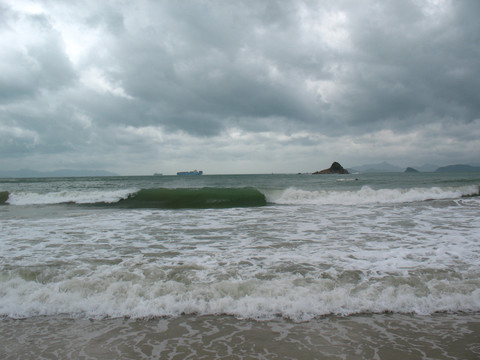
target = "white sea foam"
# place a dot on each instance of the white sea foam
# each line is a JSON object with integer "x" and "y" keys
{"x": 251, "y": 263}
{"x": 289, "y": 196}
{"x": 391, "y": 253}
{"x": 100, "y": 295}
{"x": 68, "y": 196}
{"x": 367, "y": 195}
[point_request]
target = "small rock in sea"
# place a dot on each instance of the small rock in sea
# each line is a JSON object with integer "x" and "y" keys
{"x": 336, "y": 168}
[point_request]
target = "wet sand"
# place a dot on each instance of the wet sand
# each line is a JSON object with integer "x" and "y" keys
{"x": 377, "y": 336}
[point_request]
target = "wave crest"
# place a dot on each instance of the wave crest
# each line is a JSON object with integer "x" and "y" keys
{"x": 161, "y": 198}
{"x": 367, "y": 195}
{"x": 291, "y": 297}
{"x": 215, "y": 197}
{"x": 4, "y": 197}
{"x": 68, "y": 196}
{"x": 195, "y": 198}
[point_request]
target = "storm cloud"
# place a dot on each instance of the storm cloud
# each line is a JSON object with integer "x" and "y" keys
{"x": 244, "y": 86}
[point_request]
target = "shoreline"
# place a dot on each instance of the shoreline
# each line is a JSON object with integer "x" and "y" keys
{"x": 361, "y": 336}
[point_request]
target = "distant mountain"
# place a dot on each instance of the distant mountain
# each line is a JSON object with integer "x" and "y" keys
{"x": 381, "y": 167}
{"x": 26, "y": 173}
{"x": 458, "y": 168}
{"x": 411, "y": 170}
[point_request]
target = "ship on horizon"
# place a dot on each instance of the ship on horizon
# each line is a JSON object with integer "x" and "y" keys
{"x": 194, "y": 172}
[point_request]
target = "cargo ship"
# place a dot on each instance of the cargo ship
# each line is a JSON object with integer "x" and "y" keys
{"x": 194, "y": 172}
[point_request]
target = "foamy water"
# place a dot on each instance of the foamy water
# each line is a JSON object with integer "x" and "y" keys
{"x": 367, "y": 195}
{"x": 68, "y": 196}
{"x": 288, "y": 196}
{"x": 377, "y": 336}
{"x": 321, "y": 248}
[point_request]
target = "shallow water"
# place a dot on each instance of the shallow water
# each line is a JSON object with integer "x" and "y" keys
{"x": 297, "y": 261}
{"x": 377, "y": 336}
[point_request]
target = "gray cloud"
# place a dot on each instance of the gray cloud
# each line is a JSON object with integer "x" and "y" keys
{"x": 94, "y": 82}
{"x": 31, "y": 66}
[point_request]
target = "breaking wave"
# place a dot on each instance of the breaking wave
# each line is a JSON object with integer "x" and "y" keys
{"x": 4, "y": 197}
{"x": 217, "y": 197}
{"x": 119, "y": 292}
{"x": 194, "y": 198}
{"x": 161, "y": 198}
{"x": 67, "y": 196}
{"x": 367, "y": 195}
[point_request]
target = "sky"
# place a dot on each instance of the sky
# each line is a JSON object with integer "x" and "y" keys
{"x": 137, "y": 87}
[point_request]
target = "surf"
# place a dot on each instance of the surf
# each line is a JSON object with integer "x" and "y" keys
{"x": 368, "y": 195}
{"x": 158, "y": 198}
{"x": 230, "y": 197}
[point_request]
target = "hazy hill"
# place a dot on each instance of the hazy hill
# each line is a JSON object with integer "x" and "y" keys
{"x": 387, "y": 167}
{"x": 427, "y": 168}
{"x": 381, "y": 167}
{"x": 25, "y": 173}
{"x": 458, "y": 168}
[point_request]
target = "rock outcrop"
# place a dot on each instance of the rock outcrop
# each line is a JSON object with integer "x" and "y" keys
{"x": 336, "y": 168}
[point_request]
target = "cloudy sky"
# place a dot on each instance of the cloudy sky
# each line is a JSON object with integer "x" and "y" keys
{"x": 137, "y": 87}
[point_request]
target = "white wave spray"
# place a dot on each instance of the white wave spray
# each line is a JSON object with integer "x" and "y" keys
{"x": 69, "y": 196}
{"x": 367, "y": 195}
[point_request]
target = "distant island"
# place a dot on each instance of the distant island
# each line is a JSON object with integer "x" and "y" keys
{"x": 386, "y": 167}
{"x": 336, "y": 168}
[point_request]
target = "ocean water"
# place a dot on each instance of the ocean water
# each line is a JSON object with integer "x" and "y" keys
{"x": 359, "y": 266}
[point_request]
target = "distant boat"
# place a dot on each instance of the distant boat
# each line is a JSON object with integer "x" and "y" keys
{"x": 194, "y": 172}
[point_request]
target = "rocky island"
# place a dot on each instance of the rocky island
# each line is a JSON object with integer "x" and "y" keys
{"x": 336, "y": 168}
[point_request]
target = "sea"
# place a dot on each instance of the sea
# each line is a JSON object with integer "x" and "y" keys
{"x": 275, "y": 266}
